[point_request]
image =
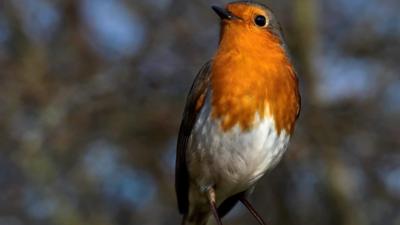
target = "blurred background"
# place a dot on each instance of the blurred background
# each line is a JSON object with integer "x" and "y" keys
{"x": 92, "y": 91}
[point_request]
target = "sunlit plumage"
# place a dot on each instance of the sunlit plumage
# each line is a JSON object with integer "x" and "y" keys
{"x": 239, "y": 115}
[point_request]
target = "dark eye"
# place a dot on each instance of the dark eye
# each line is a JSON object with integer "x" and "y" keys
{"x": 260, "y": 21}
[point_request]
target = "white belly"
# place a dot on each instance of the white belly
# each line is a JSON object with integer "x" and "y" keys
{"x": 232, "y": 161}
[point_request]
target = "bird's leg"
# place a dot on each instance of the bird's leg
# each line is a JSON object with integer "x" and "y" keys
{"x": 213, "y": 206}
{"x": 252, "y": 210}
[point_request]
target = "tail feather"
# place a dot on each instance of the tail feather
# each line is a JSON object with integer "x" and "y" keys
{"x": 228, "y": 204}
{"x": 196, "y": 219}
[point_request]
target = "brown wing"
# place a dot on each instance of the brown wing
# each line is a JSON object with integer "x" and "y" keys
{"x": 194, "y": 102}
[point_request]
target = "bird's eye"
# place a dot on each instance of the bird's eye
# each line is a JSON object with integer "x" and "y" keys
{"x": 260, "y": 21}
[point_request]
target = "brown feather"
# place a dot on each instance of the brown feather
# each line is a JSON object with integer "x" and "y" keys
{"x": 194, "y": 102}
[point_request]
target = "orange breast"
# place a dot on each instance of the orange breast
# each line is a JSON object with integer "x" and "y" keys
{"x": 250, "y": 76}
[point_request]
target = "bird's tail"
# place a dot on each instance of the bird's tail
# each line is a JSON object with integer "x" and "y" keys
{"x": 195, "y": 219}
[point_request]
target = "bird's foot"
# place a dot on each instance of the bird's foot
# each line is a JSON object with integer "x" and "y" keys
{"x": 252, "y": 210}
{"x": 213, "y": 206}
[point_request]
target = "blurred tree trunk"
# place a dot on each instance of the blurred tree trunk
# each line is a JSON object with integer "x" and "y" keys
{"x": 325, "y": 137}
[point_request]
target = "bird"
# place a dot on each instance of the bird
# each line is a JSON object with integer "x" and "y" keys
{"x": 239, "y": 116}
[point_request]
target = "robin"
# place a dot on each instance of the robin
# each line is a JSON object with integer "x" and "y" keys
{"x": 239, "y": 115}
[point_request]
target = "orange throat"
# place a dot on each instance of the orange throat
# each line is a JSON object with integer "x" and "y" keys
{"x": 251, "y": 75}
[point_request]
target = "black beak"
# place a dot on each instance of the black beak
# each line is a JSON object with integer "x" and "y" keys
{"x": 222, "y": 13}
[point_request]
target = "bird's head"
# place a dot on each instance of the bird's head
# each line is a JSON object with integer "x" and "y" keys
{"x": 250, "y": 23}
